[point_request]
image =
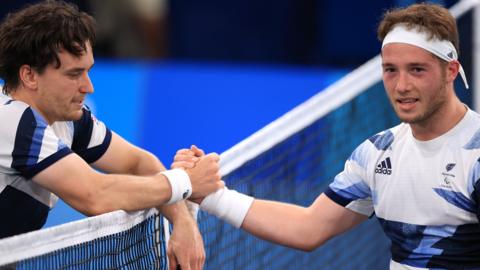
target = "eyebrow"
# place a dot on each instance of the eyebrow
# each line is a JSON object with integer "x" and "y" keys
{"x": 78, "y": 69}
{"x": 408, "y": 64}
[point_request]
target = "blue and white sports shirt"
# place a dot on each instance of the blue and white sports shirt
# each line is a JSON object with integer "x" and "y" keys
{"x": 424, "y": 193}
{"x": 28, "y": 145}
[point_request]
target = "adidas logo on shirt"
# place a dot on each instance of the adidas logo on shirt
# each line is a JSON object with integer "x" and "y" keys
{"x": 384, "y": 167}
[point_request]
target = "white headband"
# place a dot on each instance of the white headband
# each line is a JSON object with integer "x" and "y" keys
{"x": 442, "y": 48}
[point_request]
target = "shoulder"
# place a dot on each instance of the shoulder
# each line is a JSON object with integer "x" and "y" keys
{"x": 87, "y": 122}
{"x": 3, "y": 98}
{"x": 377, "y": 144}
{"x": 469, "y": 135}
{"x": 384, "y": 139}
{"x": 472, "y": 120}
{"x": 91, "y": 138}
{"x": 10, "y": 106}
{"x": 18, "y": 116}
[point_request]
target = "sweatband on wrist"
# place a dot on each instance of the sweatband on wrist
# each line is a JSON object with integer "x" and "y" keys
{"x": 180, "y": 184}
{"x": 229, "y": 205}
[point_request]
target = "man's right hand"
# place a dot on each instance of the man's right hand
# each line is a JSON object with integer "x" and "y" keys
{"x": 187, "y": 158}
{"x": 205, "y": 176}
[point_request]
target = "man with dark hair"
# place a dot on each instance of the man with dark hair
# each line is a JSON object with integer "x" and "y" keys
{"x": 50, "y": 140}
{"x": 420, "y": 178}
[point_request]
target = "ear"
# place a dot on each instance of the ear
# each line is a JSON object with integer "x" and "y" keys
{"x": 453, "y": 68}
{"x": 28, "y": 77}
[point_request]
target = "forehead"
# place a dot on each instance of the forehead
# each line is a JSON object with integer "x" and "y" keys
{"x": 402, "y": 52}
{"x": 68, "y": 60}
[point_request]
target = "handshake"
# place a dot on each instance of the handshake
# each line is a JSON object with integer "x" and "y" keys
{"x": 194, "y": 175}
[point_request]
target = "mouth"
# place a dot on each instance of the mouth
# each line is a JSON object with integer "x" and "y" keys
{"x": 407, "y": 103}
{"x": 79, "y": 102}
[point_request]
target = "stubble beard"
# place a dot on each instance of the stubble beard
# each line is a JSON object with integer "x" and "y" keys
{"x": 424, "y": 117}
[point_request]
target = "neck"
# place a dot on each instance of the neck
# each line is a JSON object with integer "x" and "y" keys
{"x": 447, "y": 117}
{"x": 24, "y": 96}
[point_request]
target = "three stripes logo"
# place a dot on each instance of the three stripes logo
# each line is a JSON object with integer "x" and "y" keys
{"x": 384, "y": 167}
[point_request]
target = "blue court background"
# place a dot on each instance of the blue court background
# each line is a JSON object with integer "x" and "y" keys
{"x": 165, "y": 106}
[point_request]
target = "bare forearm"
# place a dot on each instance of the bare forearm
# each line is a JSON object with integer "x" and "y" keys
{"x": 148, "y": 164}
{"x": 93, "y": 193}
{"x": 300, "y": 227}
{"x": 175, "y": 212}
{"x": 281, "y": 223}
{"x": 126, "y": 192}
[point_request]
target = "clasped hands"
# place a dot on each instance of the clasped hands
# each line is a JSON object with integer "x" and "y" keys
{"x": 203, "y": 170}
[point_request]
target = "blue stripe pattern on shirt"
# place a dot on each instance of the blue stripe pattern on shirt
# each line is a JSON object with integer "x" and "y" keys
{"x": 36, "y": 145}
{"x": 474, "y": 142}
{"x": 382, "y": 141}
{"x": 457, "y": 199}
{"x": 434, "y": 247}
{"x": 28, "y": 140}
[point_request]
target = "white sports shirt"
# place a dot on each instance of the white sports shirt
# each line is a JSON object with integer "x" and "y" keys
{"x": 424, "y": 193}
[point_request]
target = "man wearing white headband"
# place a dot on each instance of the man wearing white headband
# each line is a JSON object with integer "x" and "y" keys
{"x": 419, "y": 178}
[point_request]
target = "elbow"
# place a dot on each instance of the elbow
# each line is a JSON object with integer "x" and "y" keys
{"x": 88, "y": 208}
{"x": 311, "y": 243}
{"x": 94, "y": 208}
{"x": 308, "y": 248}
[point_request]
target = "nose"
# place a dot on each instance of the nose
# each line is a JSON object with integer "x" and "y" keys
{"x": 402, "y": 83}
{"x": 86, "y": 84}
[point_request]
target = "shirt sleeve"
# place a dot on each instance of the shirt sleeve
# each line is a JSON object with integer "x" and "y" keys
{"x": 36, "y": 146}
{"x": 91, "y": 138}
{"x": 474, "y": 188}
{"x": 350, "y": 188}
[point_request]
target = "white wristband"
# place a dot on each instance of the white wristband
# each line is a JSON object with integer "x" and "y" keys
{"x": 229, "y": 205}
{"x": 180, "y": 184}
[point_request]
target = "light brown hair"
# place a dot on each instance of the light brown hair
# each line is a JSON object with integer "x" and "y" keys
{"x": 432, "y": 19}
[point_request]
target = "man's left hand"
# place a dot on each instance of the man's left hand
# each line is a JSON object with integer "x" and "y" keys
{"x": 185, "y": 248}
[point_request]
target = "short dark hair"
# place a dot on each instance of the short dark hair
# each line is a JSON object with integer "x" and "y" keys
{"x": 35, "y": 34}
{"x": 432, "y": 19}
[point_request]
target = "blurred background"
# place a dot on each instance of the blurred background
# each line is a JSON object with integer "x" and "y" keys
{"x": 285, "y": 32}
{"x": 169, "y": 74}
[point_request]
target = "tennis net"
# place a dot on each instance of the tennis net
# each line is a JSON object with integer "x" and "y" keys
{"x": 293, "y": 159}
{"x": 117, "y": 240}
